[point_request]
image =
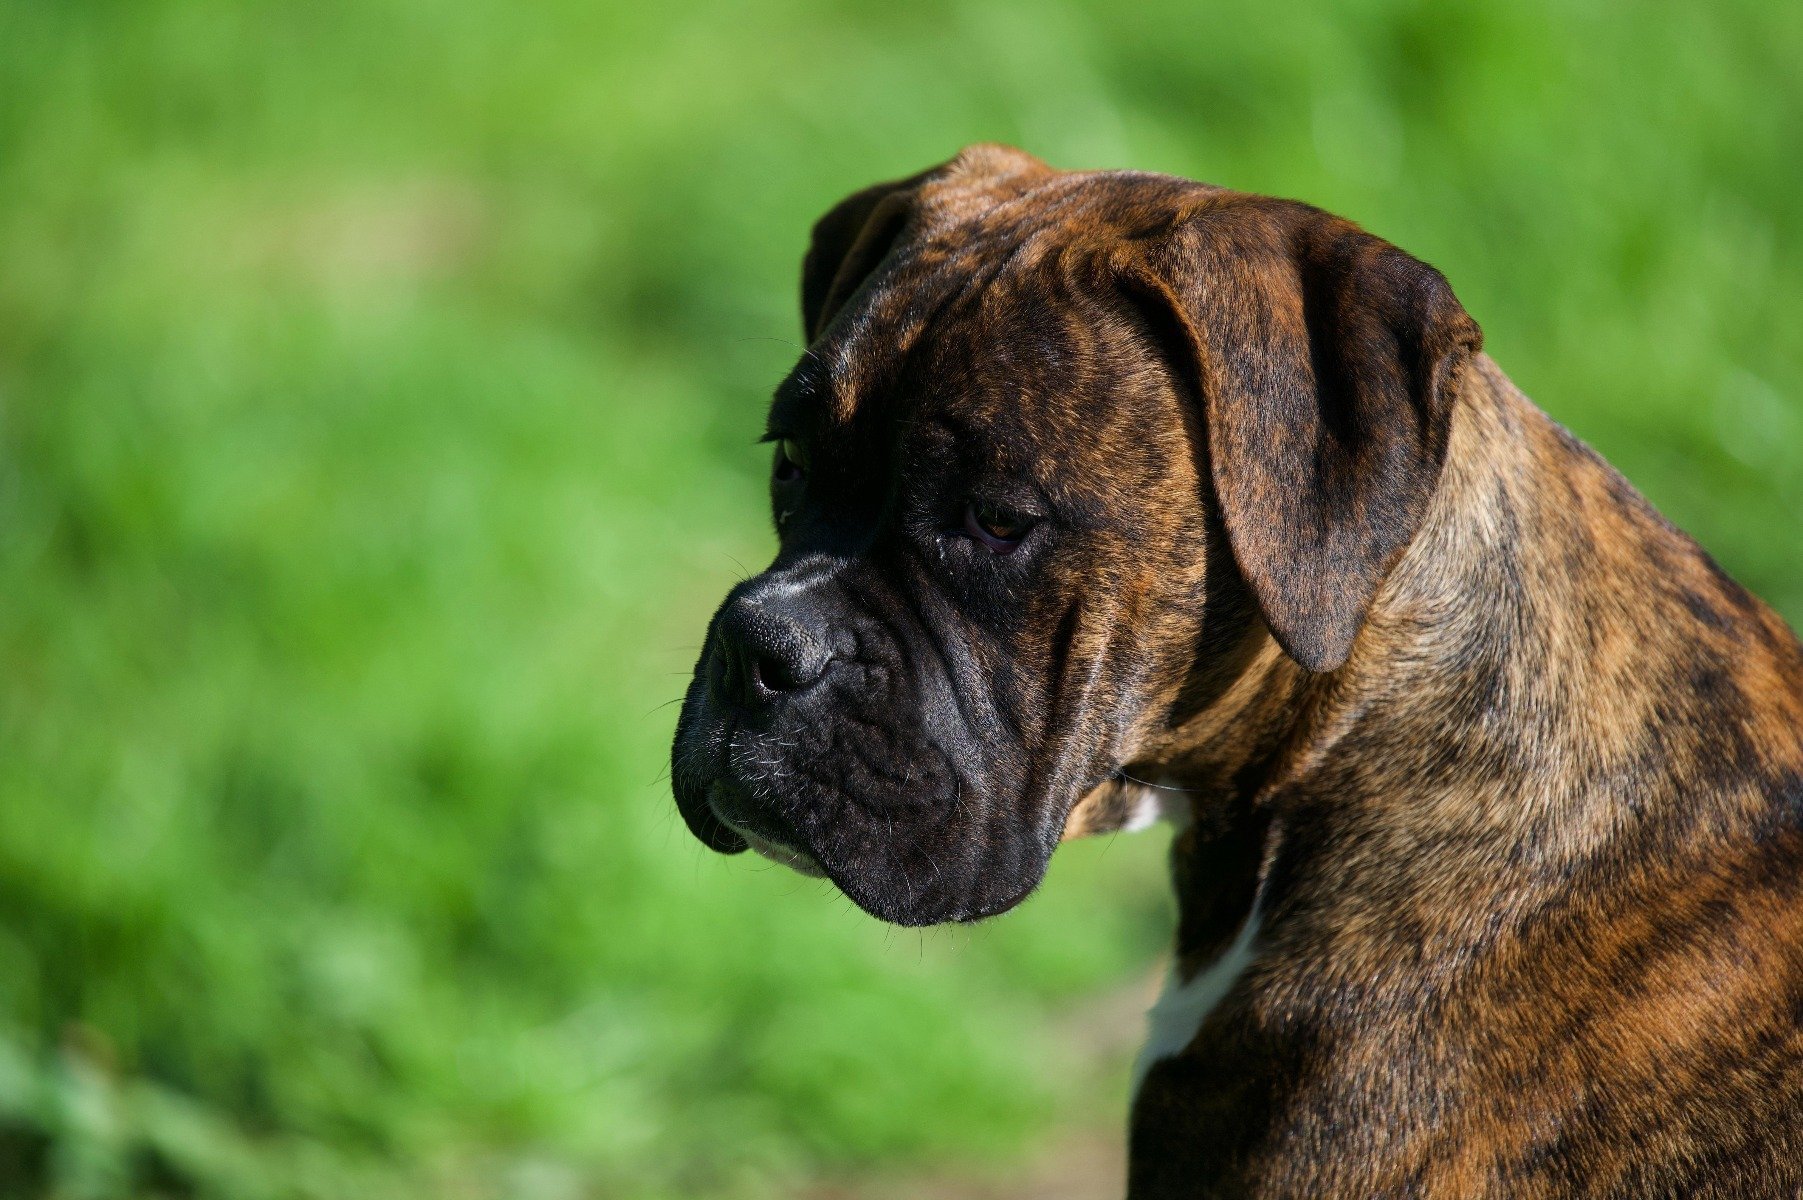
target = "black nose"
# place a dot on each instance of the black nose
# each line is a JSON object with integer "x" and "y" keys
{"x": 766, "y": 652}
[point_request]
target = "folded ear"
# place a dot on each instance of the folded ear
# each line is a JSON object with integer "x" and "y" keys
{"x": 1327, "y": 362}
{"x": 847, "y": 244}
{"x": 856, "y": 234}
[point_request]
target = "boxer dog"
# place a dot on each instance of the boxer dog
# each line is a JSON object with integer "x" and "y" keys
{"x": 1103, "y": 496}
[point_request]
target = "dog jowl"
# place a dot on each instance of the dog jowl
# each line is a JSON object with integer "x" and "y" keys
{"x": 1490, "y": 867}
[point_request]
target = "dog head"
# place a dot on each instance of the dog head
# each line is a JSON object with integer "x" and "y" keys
{"x": 1057, "y": 439}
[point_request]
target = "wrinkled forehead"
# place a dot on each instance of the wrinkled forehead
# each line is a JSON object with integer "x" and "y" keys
{"x": 978, "y": 329}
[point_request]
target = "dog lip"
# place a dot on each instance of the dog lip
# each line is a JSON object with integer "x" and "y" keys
{"x": 798, "y": 861}
{"x": 777, "y": 850}
{"x": 703, "y": 819}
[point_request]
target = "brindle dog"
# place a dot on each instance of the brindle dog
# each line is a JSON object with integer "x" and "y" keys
{"x": 1098, "y": 491}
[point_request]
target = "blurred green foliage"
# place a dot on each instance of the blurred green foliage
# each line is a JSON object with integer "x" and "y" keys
{"x": 377, "y": 388}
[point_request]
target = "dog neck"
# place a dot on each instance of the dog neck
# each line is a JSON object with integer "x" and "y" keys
{"x": 1536, "y": 663}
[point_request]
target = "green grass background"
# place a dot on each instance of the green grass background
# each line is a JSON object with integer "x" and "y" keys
{"x": 378, "y": 380}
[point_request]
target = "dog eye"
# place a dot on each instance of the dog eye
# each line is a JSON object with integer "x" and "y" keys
{"x": 791, "y": 461}
{"x": 995, "y": 527}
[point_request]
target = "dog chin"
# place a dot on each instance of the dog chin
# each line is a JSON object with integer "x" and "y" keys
{"x": 897, "y": 902}
{"x": 736, "y": 825}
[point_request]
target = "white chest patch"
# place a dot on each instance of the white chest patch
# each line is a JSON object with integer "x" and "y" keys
{"x": 1149, "y": 802}
{"x": 1174, "y": 1020}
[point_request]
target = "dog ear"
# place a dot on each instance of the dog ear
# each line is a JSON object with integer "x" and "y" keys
{"x": 847, "y": 244}
{"x": 1327, "y": 363}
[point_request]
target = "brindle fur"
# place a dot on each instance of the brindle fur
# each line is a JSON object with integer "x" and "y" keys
{"x": 1517, "y": 769}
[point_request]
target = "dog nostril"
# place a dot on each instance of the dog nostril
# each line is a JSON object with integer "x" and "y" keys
{"x": 765, "y": 655}
{"x": 773, "y": 674}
